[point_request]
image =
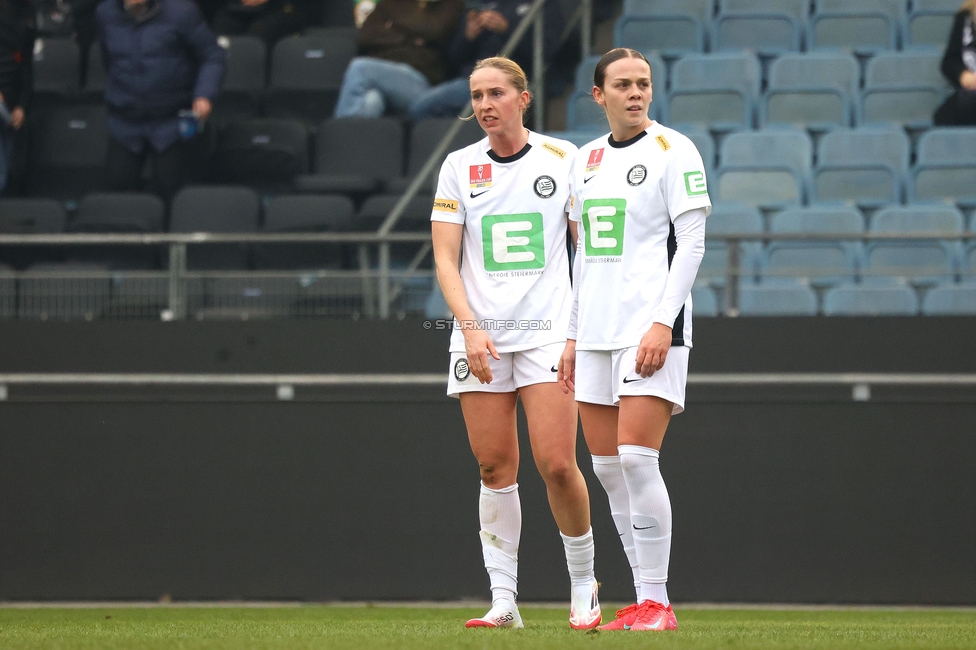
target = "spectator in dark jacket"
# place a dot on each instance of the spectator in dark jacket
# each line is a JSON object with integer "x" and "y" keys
{"x": 160, "y": 59}
{"x": 269, "y": 20}
{"x": 483, "y": 32}
{"x": 959, "y": 67}
{"x": 402, "y": 43}
{"x": 16, "y": 55}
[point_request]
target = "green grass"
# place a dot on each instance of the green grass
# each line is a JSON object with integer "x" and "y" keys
{"x": 362, "y": 628}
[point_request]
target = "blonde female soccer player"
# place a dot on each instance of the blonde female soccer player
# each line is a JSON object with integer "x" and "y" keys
{"x": 503, "y": 203}
{"x": 641, "y": 199}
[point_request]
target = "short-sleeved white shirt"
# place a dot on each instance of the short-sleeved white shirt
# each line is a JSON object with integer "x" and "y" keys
{"x": 627, "y": 196}
{"x": 515, "y": 266}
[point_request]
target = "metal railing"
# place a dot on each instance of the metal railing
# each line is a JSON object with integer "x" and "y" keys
{"x": 372, "y": 291}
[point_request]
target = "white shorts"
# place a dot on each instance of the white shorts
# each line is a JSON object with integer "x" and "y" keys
{"x": 511, "y": 372}
{"x": 602, "y": 376}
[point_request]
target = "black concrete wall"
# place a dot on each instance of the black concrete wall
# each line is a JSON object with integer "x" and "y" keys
{"x": 780, "y": 495}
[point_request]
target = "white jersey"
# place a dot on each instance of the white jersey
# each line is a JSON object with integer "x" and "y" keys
{"x": 627, "y": 196}
{"x": 515, "y": 266}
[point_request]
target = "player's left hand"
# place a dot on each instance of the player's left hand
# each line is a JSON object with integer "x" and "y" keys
{"x": 653, "y": 350}
{"x": 567, "y": 368}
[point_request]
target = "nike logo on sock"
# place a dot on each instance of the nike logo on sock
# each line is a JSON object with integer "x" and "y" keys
{"x": 636, "y": 527}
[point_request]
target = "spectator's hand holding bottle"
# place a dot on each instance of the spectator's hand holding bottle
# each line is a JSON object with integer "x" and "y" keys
{"x": 202, "y": 108}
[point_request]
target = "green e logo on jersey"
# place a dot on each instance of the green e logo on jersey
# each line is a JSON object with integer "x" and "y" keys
{"x": 603, "y": 222}
{"x": 513, "y": 241}
{"x": 695, "y": 184}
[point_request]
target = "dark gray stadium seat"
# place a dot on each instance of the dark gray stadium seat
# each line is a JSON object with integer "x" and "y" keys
{"x": 94, "y": 89}
{"x": 355, "y": 156}
{"x": 216, "y": 209}
{"x": 306, "y": 74}
{"x": 416, "y": 218}
{"x": 67, "y": 156}
{"x": 119, "y": 212}
{"x": 30, "y": 217}
{"x": 304, "y": 213}
{"x": 244, "y": 79}
{"x": 424, "y": 139}
{"x": 57, "y": 70}
{"x": 265, "y": 153}
{"x": 82, "y": 294}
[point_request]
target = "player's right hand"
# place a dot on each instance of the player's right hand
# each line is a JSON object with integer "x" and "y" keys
{"x": 477, "y": 347}
{"x": 567, "y": 368}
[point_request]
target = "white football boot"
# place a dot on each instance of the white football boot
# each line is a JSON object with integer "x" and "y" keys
{"x": 503, "y": 613}
{"x": 584, "y": 607}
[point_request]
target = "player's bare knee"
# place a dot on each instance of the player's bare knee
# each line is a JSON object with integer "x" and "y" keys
{"x": 558, "y": 472}
{"x": 494, "y": 476}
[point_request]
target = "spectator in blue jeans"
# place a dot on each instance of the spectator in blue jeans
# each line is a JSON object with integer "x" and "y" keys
{"x": 483, "y": 32}
{"x": 402, "y": 43}
{"x": 16, "y": 55}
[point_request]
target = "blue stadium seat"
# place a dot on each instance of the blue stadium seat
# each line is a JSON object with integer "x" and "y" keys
{"x": 704, "y": 301}
{"x": 821, "y": 263}
{"x": 583, "y": 80}
{"x": 768, "y": 168}
{"x": 867, "y": 165}
{"x": 946, "y": 167}
{"x": 780, "y": 298}
{"x": 922, "y": 262}
{"x": 701, "y": 9}
{"x": 717, "y": 91}
{"x": 865, "y": 26}
{"x": 874, "y": 299}
{"x": 951, "y": 300}
{"x": 769, "y": 27}
{"x": 730, "y": 219}
{"x": 903, "y": 87}
{"x": 705, "y": 145}
{"x": 584, "y": 114}
{"x": 813, "y": 91}
{"x": 672, "y": 27}
{"x": 928, "y": 28}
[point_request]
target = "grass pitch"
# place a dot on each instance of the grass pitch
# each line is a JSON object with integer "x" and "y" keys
{"x": 363, "y": 628}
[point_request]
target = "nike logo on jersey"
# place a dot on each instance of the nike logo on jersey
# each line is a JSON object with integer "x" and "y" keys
{"x": 474, "y": 196}
{"x": 628, "y": 380}
{"x": 636, "y": 527}
{"x": 554, "y": 369}
{"x": 587, "y": 179}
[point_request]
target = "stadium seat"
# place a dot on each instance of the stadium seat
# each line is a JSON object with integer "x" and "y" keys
{"x": 265, "y": 153}
{"x": 8, "y": 293}
{"x": 873, "y": 299}
{"x": 814, "y": 91}
{"x": 821, "y": 263}
{"x": 118, "y": 212}
{"x": 780, "y": 298}
{"x": 354, "y": 156}
{"x": 424, "y": 138}
{"x": 951, "y": 300}
{"x": 373, "y": 212}
{"x": 672, "y": 27}
{"x": 304, "y": 213}
{"x": 244, "y": 78}
{"x": 56, "y": 70}
{"x": 306, "y": 74}
{"x": 928, "y": 28}
{"x": 30, "y": 217}
{"x": 867, "y": 165}
{"x": 946, "y": 167}
{"x": 865, "y": 26}
{"x": 583, "y": 79}
{"x": 768, "y": 168}
{"x": 705, "y": 145}
{"x": 769, "y": 27}
{"x": 82, "y": 292}
{"x": 704, "y": 301}
{"x": 903, "y": 87}
{"x": 730, "y": 219}
{"x": 67, "y": 154}
{"x": 922, "y": 262}
{"x": 716, "y": 91}
{"x": 93, "y": 90}
{"x": 215, "y": 209}
{"x": 584, "y": 114}
{"x": 248, "y": 297}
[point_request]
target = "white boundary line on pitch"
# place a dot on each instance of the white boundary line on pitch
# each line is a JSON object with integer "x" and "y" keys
{"x": 458, "y": 604}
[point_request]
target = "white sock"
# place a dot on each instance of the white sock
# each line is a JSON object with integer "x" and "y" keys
{"x": 650, "y": 517}
{"x": 579, "y": 557}
{"x": 607, "y": 469}
{"x": 500, "y": 512}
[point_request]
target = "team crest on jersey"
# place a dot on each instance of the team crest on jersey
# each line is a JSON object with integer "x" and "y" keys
{"x": 637, "y": 174}
{"x": 480, "y": 176}
{"x": 461, "y": 369}
{"x": 545, "y": 187}
{"x": 593, "y": 164}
